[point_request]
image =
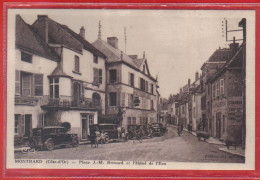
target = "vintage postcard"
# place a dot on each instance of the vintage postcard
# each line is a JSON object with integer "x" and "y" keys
{"x": 130, "y": 89}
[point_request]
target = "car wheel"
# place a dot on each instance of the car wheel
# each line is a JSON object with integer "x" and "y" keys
{"x": 106, "y": 139}
{"x": 49, "y": 145}
{"x": 75, "y": 143}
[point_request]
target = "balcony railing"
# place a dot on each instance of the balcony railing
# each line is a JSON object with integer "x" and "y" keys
{"x": 69, "y": 101}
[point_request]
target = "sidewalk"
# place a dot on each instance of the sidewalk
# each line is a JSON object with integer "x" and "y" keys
{"x": 238, "y": 151}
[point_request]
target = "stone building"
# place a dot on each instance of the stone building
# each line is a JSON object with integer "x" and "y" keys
{"x": 227, "y": 99}
{"x": 74, "y": 87}
{"x": 34, "y": 62}
{"x": 131, "y": 90}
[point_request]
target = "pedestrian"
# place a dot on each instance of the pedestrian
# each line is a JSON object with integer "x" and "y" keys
{"x": 102, "y": 137}
{"x": 92, "y": 139}
{"x": 123, "y": 134}
{"x": 97, "y": 133}
{"x": 119, "y": 131}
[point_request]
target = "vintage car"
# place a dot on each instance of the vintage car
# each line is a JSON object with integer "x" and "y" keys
{"x": 202, "y": 134}
{"x": 51, "y": 136}
{"x": 110, "y": 131}
{"x": 159, "y": 128}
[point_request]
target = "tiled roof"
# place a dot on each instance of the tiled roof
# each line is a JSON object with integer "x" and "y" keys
{"x": 220, "y": 55}
{"x": 27, "y": 39}
{"x": 57, "y": 72}
{"x": 113, "y": 54}
{"x": 86, "y": 45}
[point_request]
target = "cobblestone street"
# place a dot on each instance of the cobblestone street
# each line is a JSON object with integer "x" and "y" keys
{"x": 170, "y": 147}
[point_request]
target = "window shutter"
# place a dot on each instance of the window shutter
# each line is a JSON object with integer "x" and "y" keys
{"x": 17, "y": 83}
{"x": 129, "y": 79}
{"x": 22, "y": 125}
{"x": 38, "y": 84}
{"x": 118, "y": 98}
{"x": 118, "y": 73}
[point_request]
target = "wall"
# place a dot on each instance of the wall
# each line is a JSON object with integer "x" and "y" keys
{"x": 74, "y": 118}
{"x": 39, "y": 65}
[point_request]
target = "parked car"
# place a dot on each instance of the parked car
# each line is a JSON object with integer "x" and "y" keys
{"x": 159, "y": 128}
{"x": 51, "y": 136}
{"x": 110, "y": 131}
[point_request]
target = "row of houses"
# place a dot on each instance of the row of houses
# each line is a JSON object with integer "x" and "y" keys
{"x": 61, "y": 77}
{"x": 215, "y": 101}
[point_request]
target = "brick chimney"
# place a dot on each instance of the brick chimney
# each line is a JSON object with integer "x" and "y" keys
{"x": 113, "y": 41}
{"x": 43, "y": 19}
{"x": 233, "y": 46}
{"x": 189, "y": 83}
{"x": 196, "y": 76}
{"x": 82, "y": 32}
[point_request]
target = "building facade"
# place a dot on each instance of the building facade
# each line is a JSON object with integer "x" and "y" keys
{"x": 73, "y": 87}
{"x": 131, "y": 90}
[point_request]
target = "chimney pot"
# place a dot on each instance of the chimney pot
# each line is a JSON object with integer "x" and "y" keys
{"x": 196, "y": 76}
{"x": 113, "y": 41}
{"x": 82, "y": 32}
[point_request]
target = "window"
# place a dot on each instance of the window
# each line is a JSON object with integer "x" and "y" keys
{"x": 113, "y": 75}
{"x": 130, "y": 100}
{"x": 146, "y": 86}
{"x": 133, "y": 120}
{"x": 131, "y": 79}
{"x": 142, "y": 84}
{"x": 17, "y": 83}
{"x": 123, "y": 100}
{"x": 91, "y": 119}
{"x": 213, "y": 90}
{"x": 152, "y": 105}
{"x": 113, "y": 98}
{"x": 217, "y": 89}
{"x": 221, "y": 86}
{"x": 95, "y": 59}
{"x": 143, "y": 68}
{"x": 76, "y": 64}
{"x": 95, "y": 76}
{"x": 54, "y": 88}
{"x": 26, "y": 57}
{"x": 100, "y": 76}
{"x": 26, "y": 84}
{"x": 151, "y": 88}
{"x": 41, "y": 120}
{"x": 141, "y": 120}
{"x": 129, "y": 120}
{"x": 38, "y": 84}
{"x": 17, "y": 118}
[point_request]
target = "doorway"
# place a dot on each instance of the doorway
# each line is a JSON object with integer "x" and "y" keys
{"x": 84, "y": 123}
{"x": 27, "y": 125}
{"x": 218, "y": 125}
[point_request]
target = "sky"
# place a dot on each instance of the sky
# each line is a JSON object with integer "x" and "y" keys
{"x": 176, "y": 42}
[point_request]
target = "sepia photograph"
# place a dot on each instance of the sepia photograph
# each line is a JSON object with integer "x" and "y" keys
{"x": 130, "y": 89}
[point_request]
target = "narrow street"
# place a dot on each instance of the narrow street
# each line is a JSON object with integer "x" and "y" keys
{"x": 170, "y": 147}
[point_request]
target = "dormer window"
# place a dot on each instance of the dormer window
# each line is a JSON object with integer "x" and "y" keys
{"x": 95, "y": 59}
{"x": 26, "y": 57}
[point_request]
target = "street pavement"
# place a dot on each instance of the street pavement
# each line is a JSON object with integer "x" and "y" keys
{"x": 170, "y": 147}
